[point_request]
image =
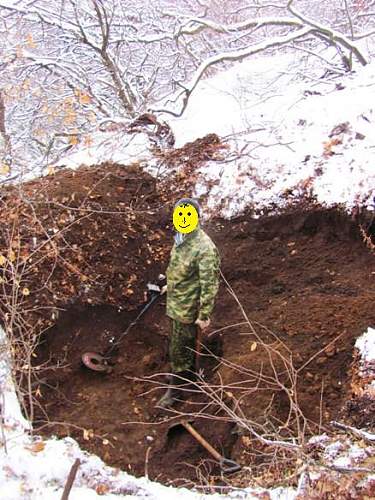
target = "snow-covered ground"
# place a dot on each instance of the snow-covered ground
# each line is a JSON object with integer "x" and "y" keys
{"x": 366, "y": 369}
{"x": 280, "y": 133}
{"x": 286, "y": 134}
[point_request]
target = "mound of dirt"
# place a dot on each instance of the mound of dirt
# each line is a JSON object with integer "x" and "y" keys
{"x": 92, "y": 236}
{"x": 87, "y": 242}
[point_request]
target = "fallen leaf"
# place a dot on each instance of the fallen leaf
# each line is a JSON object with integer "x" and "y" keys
{"x": 84, "y": 98}
{"x": 12, "y": 256}
{"x": 2, "y": 260}
{"x": 88, "y": 434}
{"x": 105, "y": 442}
{"x": 253, "y": 346}
{"x": 30, "y": 41}
{"x": 88, "y": 141}
{"x": 73, "y": 140}
{"x": 4, "y": 169}
{"x": 102, "y": 489}
{"x": 25, "y": 291}
{"x": 19, "y": 51}
{"x": 246, "y": 441}
{"x": 37, "y": 447}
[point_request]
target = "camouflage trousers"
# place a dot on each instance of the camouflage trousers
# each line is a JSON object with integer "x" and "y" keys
{"x": 182, "y": 346}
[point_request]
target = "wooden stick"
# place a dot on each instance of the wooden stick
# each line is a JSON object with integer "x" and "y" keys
{"x": 201, "y": 440}
{"x": 367, "y": 436}
{"x": 70, "y": 480}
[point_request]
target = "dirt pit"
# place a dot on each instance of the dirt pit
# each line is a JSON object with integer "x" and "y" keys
{"x": 305, "y": 280}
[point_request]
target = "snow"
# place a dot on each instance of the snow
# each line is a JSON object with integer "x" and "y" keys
{"x": 366, "y": 346}
{"x": 366, "y": 363}
{"x": 117, "y": 147}
{"x": 277, "y": 128}
{"x": 319, "y": 439}
{"x": 281, "y": 132}
{"x": 343, "y": 453}
{"x": 333, "y": 449}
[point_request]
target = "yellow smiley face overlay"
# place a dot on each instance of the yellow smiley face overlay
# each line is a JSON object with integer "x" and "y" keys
{"x": 185, "y": 218}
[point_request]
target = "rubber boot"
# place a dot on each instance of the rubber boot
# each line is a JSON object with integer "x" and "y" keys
{"x": 172, "y": 394}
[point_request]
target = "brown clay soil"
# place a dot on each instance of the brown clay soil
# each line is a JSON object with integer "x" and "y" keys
{"x": 304, "y": 278}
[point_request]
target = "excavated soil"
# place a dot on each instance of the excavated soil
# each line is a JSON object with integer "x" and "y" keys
{"x": 304, "y": 278}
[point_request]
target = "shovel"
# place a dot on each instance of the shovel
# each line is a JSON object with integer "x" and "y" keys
{"x": 101, "y": 362}
{"x": 227, "y": 465}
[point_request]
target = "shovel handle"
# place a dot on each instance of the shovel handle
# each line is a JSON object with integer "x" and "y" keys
{"x": 227, "y": 466}
{"x": 202, "y": 441}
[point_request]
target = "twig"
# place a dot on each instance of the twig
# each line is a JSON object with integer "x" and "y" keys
{"x": 146, "y": 461}
{"x": 70, "y": 480}
{"x": 366, "y": 436}
{"x": 2, "y": 423}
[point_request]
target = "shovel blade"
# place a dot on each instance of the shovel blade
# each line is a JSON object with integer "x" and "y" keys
{"x": 229, "y": 466}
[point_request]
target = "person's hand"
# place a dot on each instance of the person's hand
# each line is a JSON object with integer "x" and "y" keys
{"x": 203, "y": 323}
{"x": 163, "y": 290}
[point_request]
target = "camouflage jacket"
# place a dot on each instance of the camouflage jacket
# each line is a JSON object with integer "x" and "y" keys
{"x": 192, "y": 278}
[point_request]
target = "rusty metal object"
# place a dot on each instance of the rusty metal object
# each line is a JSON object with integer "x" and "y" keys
{"x": 99, "y": 362}
{"x": 96, "y": 362}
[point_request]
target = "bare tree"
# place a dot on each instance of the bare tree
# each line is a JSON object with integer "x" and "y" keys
{"x": 70, "y": 65}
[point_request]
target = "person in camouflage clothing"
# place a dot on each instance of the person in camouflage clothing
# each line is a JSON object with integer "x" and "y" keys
{"x": 192, "y": 286}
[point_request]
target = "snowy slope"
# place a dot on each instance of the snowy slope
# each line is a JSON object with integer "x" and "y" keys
{"x": 281, "y": 128}
{"x": 283, "y": 134}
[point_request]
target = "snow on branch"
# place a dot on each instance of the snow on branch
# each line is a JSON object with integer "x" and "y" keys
{"x": 196, "y": 24}
{"x": 361, "y": 434}
{"x": 32, "y": 14}
{"x": 236, "y": 55}
{"x": 329, "y": 34}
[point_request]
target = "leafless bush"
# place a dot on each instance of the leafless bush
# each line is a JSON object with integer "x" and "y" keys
{"x": 25, "y": 320}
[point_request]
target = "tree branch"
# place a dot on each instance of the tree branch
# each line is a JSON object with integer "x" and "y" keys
{"x": 199, "y": 24}
{"x": 359, "y": 433}
{"x": 237, "y": 55}
{"x": 329, "y": 34}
